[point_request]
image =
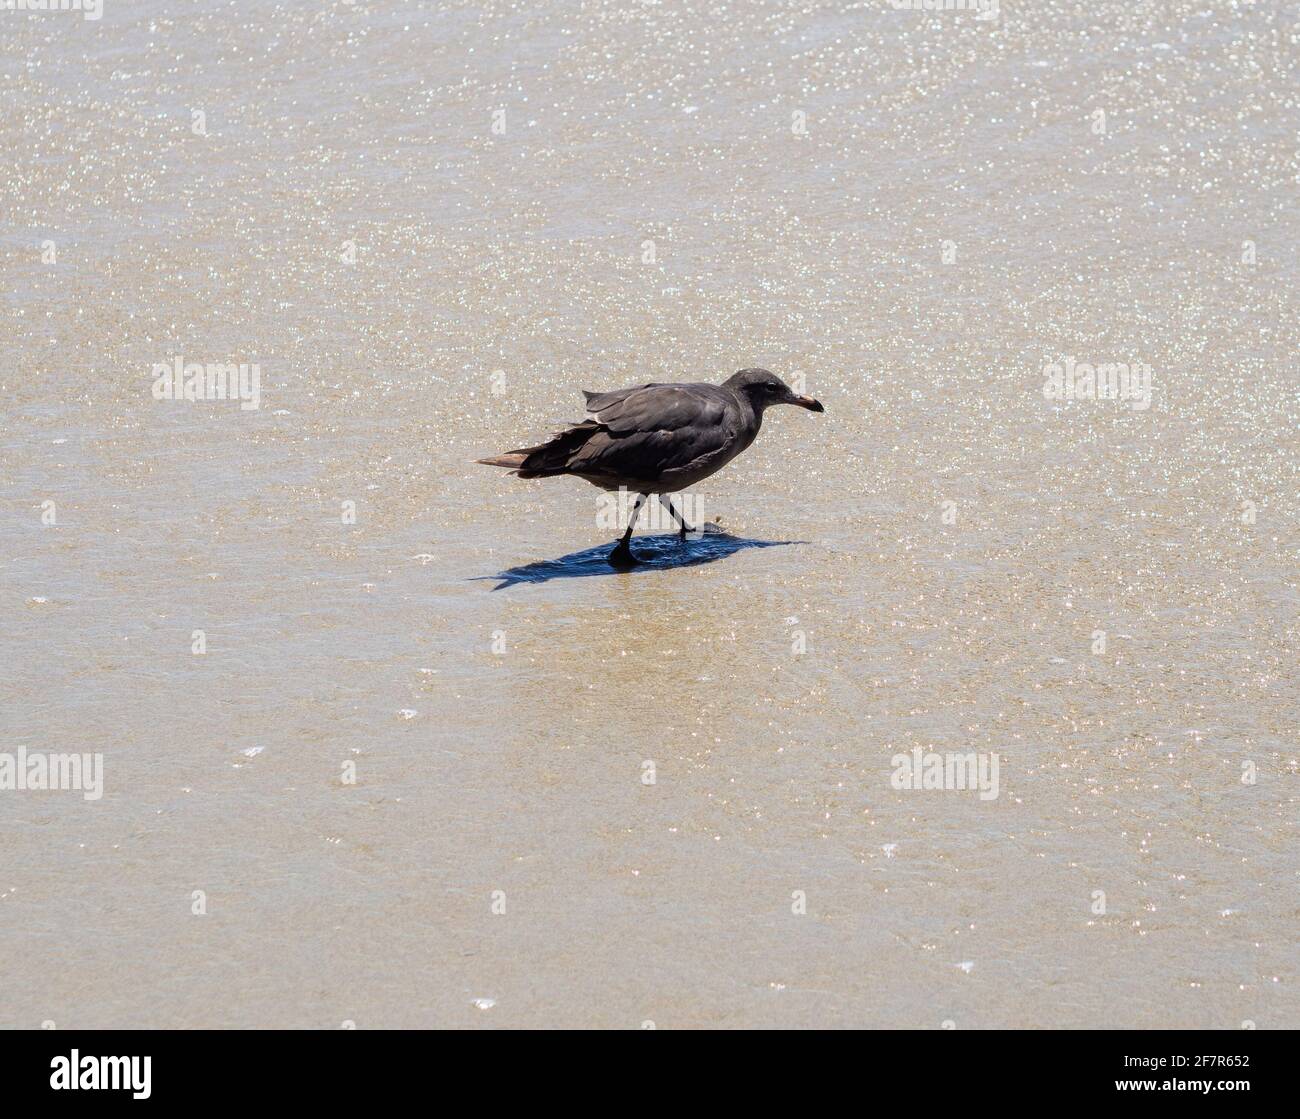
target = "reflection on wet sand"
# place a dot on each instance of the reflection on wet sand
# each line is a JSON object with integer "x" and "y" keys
{"x": 653, "y": 553}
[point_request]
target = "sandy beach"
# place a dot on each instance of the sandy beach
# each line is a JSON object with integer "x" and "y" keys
{"x": 363, "y": 761}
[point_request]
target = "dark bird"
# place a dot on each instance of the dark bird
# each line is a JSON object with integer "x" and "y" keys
{"x": 659, "y": 439}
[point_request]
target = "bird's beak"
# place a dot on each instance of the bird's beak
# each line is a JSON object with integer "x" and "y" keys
{"x": 807, "y": 402}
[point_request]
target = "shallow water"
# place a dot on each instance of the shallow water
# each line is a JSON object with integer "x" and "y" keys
{"x": 948, "y": 216}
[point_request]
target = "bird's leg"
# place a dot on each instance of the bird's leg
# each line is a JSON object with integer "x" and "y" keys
{"x": 622, "y": 555}
{"x": 668, "y": 500}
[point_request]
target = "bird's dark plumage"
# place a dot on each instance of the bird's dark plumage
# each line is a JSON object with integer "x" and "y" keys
{"x": 656, "y": 438}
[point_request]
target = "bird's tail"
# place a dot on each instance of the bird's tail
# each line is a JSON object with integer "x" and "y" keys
{"x": 513, "y": 460}
{"x": 548, "y": 459}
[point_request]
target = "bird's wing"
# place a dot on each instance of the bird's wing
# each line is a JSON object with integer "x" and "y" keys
{"x": 648, "y": 430}
{"x": 598, "y": 400}
{"x": 649, "y": 408}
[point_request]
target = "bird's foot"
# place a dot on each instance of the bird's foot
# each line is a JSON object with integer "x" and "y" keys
{"x": 622, "y": 556}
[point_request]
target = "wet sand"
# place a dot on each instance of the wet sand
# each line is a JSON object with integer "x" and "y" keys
{"x": 408, "y": 795}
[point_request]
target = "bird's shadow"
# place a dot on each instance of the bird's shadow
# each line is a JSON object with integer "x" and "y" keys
{"x": 653, "y": 553}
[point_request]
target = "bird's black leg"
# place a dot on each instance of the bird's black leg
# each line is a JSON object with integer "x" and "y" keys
{"x": 668, "y": 500}
{"x": 622, "y": 555}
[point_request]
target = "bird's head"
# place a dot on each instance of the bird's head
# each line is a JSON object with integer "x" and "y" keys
{"x": 762, "y": 388}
